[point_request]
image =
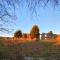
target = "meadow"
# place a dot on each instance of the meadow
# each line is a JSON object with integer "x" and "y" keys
{"x": 36, "y": 49}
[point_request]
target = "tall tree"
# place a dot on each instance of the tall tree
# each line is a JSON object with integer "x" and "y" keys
{"x": 34, "y": 32}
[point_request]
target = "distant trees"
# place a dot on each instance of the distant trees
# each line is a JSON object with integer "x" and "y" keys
{"x": 18, "y": 34}
{"x": 50, "y": 35}
{"x": 25, "y": 35}
{"x": 43, "y": 36}
{"x": 34, "y": 32}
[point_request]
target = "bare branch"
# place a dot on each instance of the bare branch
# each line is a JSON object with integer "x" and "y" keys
{"x": 7, "y": 7}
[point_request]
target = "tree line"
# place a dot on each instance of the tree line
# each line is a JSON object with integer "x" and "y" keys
{"x": 35, "y": 33}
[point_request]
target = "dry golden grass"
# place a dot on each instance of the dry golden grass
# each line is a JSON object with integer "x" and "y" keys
{"x": 58, "y": 40}
{"x": 24, "y": 40}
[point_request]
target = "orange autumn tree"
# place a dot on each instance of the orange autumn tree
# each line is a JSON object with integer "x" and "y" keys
{"x": 25, "y": 35}
{"x": 34, "y": 32}
{"x": 18, "y": 34}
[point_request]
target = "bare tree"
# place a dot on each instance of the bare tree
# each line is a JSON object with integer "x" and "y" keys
{"x": 7, "y": 13}
{"x": 7, "y": 9}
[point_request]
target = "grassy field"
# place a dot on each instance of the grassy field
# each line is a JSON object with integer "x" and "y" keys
{"x": 30, "y": 49}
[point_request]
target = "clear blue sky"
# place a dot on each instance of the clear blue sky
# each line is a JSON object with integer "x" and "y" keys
{"x": 47, "y": 19}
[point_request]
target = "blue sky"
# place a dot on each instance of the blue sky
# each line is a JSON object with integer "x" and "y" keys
{"x": 47, "y": 18}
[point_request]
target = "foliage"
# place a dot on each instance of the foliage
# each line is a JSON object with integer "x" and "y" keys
{"x": 50, "y": 32}
{"x": 50, "y": 35}
{"x": 18, "y": 34}
{"x": 34, "y": 32}
{"x": 25, "y": 35}
{"x": 43, "y": 36}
